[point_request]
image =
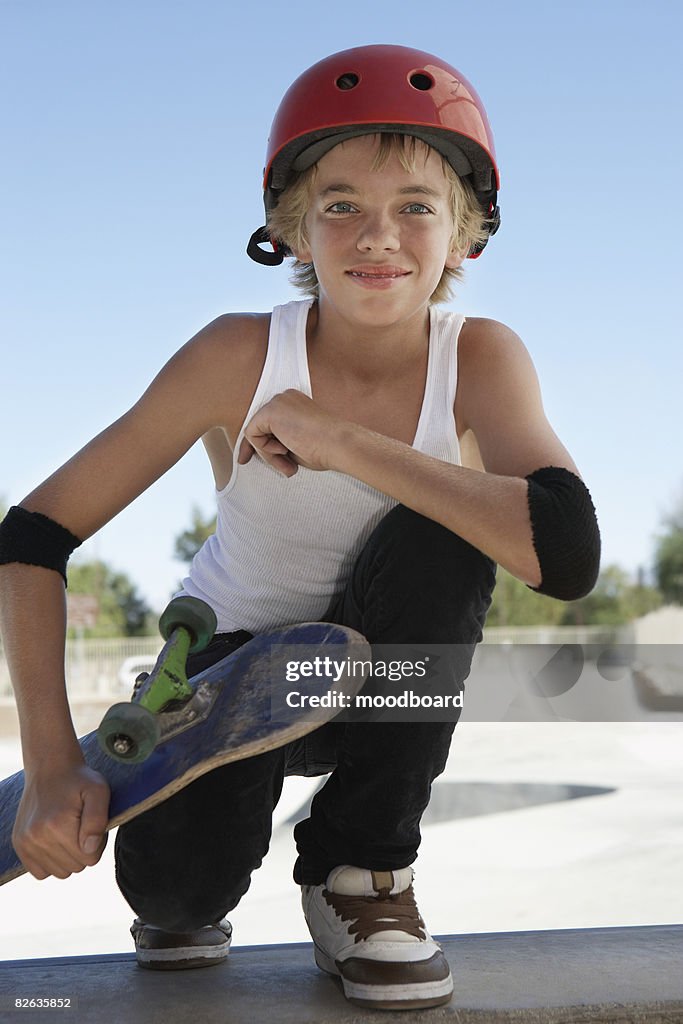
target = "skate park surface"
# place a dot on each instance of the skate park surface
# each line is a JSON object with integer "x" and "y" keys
{"x": 553, "y": 977}
{"x": 550, "y": 868}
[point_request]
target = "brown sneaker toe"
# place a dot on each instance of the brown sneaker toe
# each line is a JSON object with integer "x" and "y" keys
{"x": 158, "y": 950}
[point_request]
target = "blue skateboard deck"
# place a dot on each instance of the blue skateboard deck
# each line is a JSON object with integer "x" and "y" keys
{"x": 239, "y": 709}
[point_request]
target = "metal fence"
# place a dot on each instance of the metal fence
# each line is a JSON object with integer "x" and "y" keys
{"x": 555, "y": 634}
{"x": 93, "y": 667}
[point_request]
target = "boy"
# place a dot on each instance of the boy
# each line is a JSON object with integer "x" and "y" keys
{"x": 401, "y": 452}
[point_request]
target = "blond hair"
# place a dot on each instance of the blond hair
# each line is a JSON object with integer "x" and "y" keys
{"x": 286, "y": 222}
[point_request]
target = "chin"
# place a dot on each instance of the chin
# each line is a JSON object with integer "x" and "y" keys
{"x": 375, "y": 308}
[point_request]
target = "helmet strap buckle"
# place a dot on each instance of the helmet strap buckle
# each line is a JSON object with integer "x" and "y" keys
{"x": 267, "y": 259}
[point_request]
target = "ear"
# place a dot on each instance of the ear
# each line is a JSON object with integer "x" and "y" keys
{"x": 303, "y": 254}
{"x": 455, "y": 258}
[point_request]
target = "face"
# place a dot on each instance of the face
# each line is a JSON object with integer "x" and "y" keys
{"x": 379, "y": 239}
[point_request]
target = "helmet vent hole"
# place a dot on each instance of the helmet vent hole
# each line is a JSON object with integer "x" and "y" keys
{"x": 422, "y": 81}
{"x": 348, "y": 81}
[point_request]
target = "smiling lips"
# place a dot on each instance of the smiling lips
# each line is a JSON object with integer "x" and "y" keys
{"x": 377, "y": 277}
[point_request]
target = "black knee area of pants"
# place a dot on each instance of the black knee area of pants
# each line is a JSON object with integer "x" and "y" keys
{"x": 417, "y": 582}
{"x": 418, "y": 544}
{"x": 188, "y": 862}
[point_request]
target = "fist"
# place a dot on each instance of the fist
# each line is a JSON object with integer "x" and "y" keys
{"x": 61, "y": 822}
{"x": 291, "y": 431}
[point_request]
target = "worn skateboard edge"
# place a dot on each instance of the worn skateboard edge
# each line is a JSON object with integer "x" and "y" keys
{"x": 259, "y": 746}
{"x": 304, "y": 724}
{"x": 297, "y": 730}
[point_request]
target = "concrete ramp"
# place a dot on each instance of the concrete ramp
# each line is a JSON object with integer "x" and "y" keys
{"x": 615, "y": 975}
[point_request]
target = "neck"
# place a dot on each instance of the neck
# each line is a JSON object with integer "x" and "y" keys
{"x": 367, "y": 351}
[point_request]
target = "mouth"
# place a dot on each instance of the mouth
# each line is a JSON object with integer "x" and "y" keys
{"x": 378, "y": 278}
{"x": 384, "y": 273}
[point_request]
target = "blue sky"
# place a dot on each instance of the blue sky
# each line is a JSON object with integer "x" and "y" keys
{"x": 133, "y": 141}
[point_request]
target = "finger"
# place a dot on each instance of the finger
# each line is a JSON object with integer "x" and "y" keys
{"x": 245, "y": 453}
{"x": 92, "y": 834}
{"x": 270, "y": 449}
{"x": 260, "y": 443}
{"x": 283, "y": 464}
{"x": 34, "y": 869}
{"x": 263, "y": 440}
{"x": 274, "y": 447}
{"x": 55, "y": 862}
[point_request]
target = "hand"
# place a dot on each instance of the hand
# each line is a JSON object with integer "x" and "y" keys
{"x": 61, "y": 822}
{"x": 291, "y": 431}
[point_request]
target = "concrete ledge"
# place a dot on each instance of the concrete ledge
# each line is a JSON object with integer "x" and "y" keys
{"x": 606, "y": 975}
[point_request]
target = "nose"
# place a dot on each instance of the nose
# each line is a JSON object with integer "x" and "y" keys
{"x": 378, "y": 233}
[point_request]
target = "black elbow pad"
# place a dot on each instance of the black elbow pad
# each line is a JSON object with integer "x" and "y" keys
{"x": 565, "y": 533}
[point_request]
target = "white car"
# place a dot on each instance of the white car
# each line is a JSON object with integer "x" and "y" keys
{"x": 131, "y": 668}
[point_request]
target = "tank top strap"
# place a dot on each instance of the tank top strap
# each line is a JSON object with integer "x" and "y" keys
{"x": 285, "y": 366}
{"x": 436, "y": 433}
{"x": 286, "y": 363}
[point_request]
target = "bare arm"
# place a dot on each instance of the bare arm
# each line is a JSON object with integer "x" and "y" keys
{"x": 83, "y": 495}
{"x": 189, "y": 397}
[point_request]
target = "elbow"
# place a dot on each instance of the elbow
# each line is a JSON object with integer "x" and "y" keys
{"x": 565, "y": 532}
{"x": 572, "y": 583}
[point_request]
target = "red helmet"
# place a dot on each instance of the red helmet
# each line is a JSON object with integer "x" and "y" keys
{"x": 372, "y": 89}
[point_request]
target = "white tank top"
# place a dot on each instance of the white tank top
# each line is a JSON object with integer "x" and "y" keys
{"x": 284, "y": 547}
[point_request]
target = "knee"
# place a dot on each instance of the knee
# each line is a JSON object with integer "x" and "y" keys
{"x": 187, "y": 862}
{"x": 415, "y": 555}
{"x": 179, "y": 917}
{"x": 414, "y": 541}
{"x": 189, "y": 896}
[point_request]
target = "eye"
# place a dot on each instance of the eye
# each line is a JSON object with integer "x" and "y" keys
{"x": 341, "y": 207}
{"x": 417, "y": 208}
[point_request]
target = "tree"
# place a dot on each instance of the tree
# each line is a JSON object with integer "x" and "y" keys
{"x": 668, "y": 565}
{"x": 614, "y": 601}
{"x": 122, "y": 611}
{"x": 514, "y": 604}
{"x": 188, "y": 543}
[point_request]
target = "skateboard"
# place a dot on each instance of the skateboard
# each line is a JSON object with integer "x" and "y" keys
{"x": 276, "y": 688}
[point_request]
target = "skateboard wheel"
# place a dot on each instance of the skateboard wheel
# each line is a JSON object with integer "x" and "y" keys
{"x": 193, "y": 615}
{"x": 129, "y": 733}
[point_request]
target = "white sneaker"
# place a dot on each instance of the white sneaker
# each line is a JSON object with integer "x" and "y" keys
{"x": 367, "y": 929}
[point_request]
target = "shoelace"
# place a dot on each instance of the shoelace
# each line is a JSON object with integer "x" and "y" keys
{"x": 372, "y": 914}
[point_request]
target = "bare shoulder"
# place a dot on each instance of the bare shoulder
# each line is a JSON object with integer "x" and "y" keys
{"x": 234, "y": 331}
{"x": 219, "y": 368}
{"x": 234, "y": 342}
{"x": 493, "y": 363}
{"x": 499, "y": 401}
{"x": 490, "y": 347}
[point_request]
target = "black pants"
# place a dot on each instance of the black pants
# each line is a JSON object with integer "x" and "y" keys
{"x": 187, "y": 862}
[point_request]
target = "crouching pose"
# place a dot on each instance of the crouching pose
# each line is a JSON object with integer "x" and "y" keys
{"x": 374, "y": 455}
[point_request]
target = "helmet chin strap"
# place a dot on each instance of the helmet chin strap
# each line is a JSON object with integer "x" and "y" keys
{"x": 493, "y": 225}
{"x": 262, "y": 256}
